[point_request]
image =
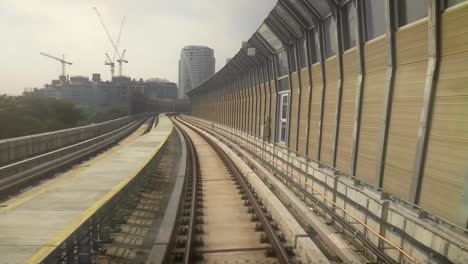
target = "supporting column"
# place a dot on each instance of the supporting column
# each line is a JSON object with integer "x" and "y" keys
{"x": 335, "y": 189}
{"x": 70, "y": 246}
{"x": 238, "y": 115}
{"x": 299, "y": 92}
{"x": 309, "y": 93}
{"x": 244, "y": 104}
{"x": 265, "y": 98}
{"x": 360, "y": 85}
{"x": 232, "y": 104}
{"x": 289, "y": 50}
{"x": 389, "y": 81}
{"x": 339, "y": 56}
{"x": 383, "y": 225}
{"x": 84, "y": 244}
{"x": 222, "y": 105}
{"x": 232, "y": 93}
{"x": 463, "y": 220}
{"x": 269, "y": 79}
{"x": 257, "y": 102}
{"x": 234, "y": 100}
{"x": 250, "y": 113}
{"x": 324, "y": 84}
{"x": 429, "y": 90}
{"x": 275, "y": 75}
{"x": 250, "y": 104}
{"x": 226, "y": 104}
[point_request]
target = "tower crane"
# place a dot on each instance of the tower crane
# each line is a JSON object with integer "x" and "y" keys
{"x": 120, "y": 61}
{"x": 62, "y": 60}
{"x": 119, "y": 37}
{"x": 121, "y": 57}
{"x": 111, "y": 64}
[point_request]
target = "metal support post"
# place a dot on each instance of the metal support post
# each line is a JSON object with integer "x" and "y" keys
{"x": 339, "y": 56}
{"x": 324, "y": 84}
{"x": 383, "y": 224}
{"x": 84, "y": 244}
{"x": 389, "y": 82}
{"x": 360, "y": 85}
{"x": 429, "y": 91}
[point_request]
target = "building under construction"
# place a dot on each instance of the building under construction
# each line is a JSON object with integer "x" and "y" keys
{"x": 152, "y": 94}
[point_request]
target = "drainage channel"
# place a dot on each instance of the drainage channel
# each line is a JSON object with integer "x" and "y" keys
{"x": 222, "y": 218}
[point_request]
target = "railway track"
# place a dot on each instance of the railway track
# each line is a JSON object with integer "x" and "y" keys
{"x": 131, "y": 239}
{"x": 20, "y": 175}
{"x": 222, "y": 218}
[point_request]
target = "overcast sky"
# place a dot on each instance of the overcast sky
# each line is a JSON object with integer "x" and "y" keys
{"x": 153, "y": 35}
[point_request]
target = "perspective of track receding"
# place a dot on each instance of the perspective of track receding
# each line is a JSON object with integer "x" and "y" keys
{"x": 133, "y": 237}
{"x": 226, "y": 229}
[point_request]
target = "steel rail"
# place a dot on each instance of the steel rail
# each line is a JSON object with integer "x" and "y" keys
{"x": 279, "y": 250}
{"x": 23, "y": 165}
{"x": 9, "y": 184}
{"x": 194, "y": 166}
{"x": 331, "y": 212}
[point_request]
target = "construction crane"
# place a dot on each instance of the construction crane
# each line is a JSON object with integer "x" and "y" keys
{"x": 121, "y": 57}
{"x": 111, "y": 64}
{"x": 118, "y": 38}
{"x": 122, "y": 60}
{"x": 62, "y": 60}
{"x": 114, "y": 45}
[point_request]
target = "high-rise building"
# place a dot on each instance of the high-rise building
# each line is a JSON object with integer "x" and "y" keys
{"x": 196, "y": 64}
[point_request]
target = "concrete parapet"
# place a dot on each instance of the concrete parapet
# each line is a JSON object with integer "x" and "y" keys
{"x": 16, "y": 149}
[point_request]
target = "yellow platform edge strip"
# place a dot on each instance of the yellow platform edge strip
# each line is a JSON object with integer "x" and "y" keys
{"x": 45, "y": 251}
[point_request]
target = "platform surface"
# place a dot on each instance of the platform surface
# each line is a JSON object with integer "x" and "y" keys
{"x": 35, "y": 223}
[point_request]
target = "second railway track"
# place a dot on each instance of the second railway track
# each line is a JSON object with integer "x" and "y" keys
{"x": 222, "y": 218}
{"x": 23, "y": 174}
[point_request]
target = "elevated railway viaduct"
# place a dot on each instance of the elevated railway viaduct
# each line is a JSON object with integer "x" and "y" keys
{"x": 337, "y": 134}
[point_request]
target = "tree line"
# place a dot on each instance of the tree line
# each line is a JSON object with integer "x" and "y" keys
{"x": 27, "y": 115}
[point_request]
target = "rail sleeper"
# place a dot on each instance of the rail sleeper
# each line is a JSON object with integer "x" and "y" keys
{"x": 307, "y": 251}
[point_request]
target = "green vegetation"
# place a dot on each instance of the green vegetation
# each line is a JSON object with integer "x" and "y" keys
{"x": 27, "y": 115}
{"x": 101, "y": 116}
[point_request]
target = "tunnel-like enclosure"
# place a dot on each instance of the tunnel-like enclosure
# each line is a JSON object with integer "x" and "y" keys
{"x": 374, "y": 89}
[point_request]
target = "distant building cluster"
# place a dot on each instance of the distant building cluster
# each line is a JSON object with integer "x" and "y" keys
{"x": 196, "y": 65}
{"x": 98, "y": 94}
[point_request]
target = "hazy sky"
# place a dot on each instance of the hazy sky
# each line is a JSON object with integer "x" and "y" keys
{"x": 153, "y": 35}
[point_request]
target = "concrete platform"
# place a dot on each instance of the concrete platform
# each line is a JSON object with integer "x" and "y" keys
{"x": 32, "y": 226}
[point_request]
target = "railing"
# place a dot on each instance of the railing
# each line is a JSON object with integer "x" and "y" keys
{"x": 22, "y": 173}
{"x": 323, "y": 182}
{"x": 16, "y": 149}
